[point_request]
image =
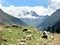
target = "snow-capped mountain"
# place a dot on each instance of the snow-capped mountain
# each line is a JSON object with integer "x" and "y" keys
{"x": 27, "y": 12}
{"x": 30, "y": 16}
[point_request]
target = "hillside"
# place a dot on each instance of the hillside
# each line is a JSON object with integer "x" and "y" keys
{"x": 51, "y": 20}
{"x": 7, "y": 19}
{"x": 16, "y": 36}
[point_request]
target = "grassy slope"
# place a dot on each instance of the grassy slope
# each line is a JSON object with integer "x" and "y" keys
{"x": 14, "y": 38}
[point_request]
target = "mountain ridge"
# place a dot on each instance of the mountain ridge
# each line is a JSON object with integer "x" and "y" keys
{"x": 51, "y": 20}
{"x": 8, "y": 19}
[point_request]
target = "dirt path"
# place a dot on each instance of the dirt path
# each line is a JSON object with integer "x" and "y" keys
{"x": 56, "y": 40}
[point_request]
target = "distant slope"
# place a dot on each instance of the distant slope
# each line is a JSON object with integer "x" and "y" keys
{"x": 8, "y": 19}
{"x": 50, "y": 21}
{"x": 34, "y": 22}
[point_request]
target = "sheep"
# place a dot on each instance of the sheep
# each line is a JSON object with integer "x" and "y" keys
{"x": 23, "y": 40}
{"x": 17, "y": 26}
{"x": 5, "y": 40}
{"x": 14, "y": 25}
{"x": 28, "y": 31}
{"x": 30, "y": 37}
{"x": 12, "y": 44}
{"x": 10, "y": 31}
{"x": 52, "y": 37}
{"x": 20, "y": 27}
{"x": 22, "y": 43}
{"x": 45, "y": 35}
{"x": 7, "y": 26}
{"x": 1, "y": 23}
{"x": 24, "y": 30}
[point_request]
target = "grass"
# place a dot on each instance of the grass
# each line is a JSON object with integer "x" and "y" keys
{"x": 16, "y": 34}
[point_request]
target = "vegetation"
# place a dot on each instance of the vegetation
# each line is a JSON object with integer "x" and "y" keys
{"x": 13, "y": 35}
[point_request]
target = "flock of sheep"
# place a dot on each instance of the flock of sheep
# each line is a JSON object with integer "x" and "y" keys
{"x": 29, "y": 36}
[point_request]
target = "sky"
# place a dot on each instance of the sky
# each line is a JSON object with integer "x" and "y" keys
{"x": 41, "y": 7}
{"x": 25, "y": 2}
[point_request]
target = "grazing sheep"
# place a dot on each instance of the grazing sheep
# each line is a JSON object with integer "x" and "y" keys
{"x": 38, "y": 43}
{"x": 17, "y": 26}
{"x": 28, "y": 31}
{"x": 30, "y": 37}
{"x": 20, "y": 27}
{"x": 7, "y": 43}
{"x": 7, "y": 26}
{"x": 1, "y": 23}
{"x": 23, "y": 40}
{"x": 14, "y": 25}
{"x": 45, "y": 35}
{"x": 52, "y": 37}
{"x": 22, "y": 43}
{"x": 5, "y": 37}
{"x": 24, "y": 30}
{"x": 10, "y": 31}
{"x": 12, "y": 44}
{"x": 5, "y": 40}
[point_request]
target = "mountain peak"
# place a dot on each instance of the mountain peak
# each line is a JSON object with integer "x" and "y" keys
{"x": 1, "y": 10}
{"x": 58, "y": 10}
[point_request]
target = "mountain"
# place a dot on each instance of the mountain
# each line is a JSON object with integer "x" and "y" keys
{"x": 27, "y": 14}
{"x": 34, "y": 21}
{"x": 31, "y": 18}
{"x": 51, "y": 20}
{"x": 34, "y": 14}
{"x": 8, "y": 19}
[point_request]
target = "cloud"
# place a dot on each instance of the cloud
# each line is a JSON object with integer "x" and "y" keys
{"x": 54, "y": 4}
{"x": 14, "y": 11}
{"x": 40, "y": 10}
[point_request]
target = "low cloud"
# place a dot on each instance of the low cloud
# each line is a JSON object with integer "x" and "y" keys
{"x": 54, "y": 4}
